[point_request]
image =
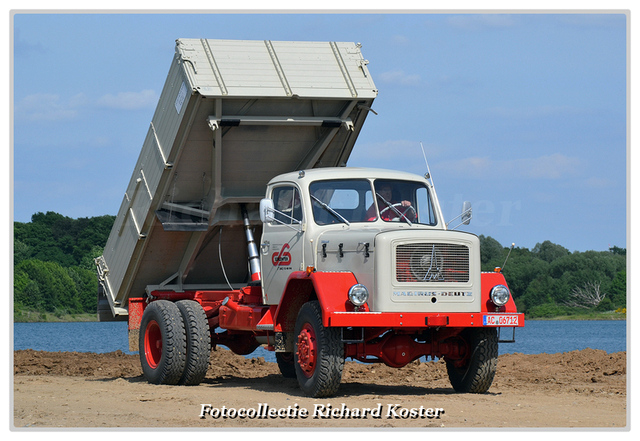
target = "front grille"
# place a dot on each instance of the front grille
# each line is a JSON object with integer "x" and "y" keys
{"x": 432, "y": 263}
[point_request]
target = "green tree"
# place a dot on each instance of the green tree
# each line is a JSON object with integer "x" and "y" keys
{"x": 549, "y": 251}
{"x": 578, "y": 269}
{"x": 618, "y": 290}
{"x": 86, "y": 285}
{"x": 617, "y": 250}
{"x": 54, "y": 269}
{"x": 88, "y": 262}
{"x": 538, "y": 292}
{"x": 490, "y": 251}
{"x": 26, "y": 292}
{"x": 522, "y": 269}
{"x": 21, "y": 251}
{"x": 56, "y": 290}
{"x": 546, "y": 310}
{"x": 53, "y": 237}
{"x": 549, "y": 274}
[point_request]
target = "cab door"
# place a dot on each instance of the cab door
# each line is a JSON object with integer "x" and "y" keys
{"x": 281, "y": 250}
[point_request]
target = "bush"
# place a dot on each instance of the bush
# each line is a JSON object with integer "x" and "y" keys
{"x": 45, "y": 286}
{"x": 546, "y": 310}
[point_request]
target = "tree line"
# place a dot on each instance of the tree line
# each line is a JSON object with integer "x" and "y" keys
{"x": 54, "y": 270}
{"x": 549, "y": 280}
{"x": 53, "y": 263}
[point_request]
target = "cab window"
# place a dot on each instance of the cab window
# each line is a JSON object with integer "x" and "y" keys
{"x": 402, "y": 201}
{"x": 337, "y": 201}
{"x": 286, "y": 202}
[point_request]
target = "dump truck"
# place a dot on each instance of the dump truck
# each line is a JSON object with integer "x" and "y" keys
{"x": 243, "y": 227}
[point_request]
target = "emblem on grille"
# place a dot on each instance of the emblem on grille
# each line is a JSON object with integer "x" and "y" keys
{"x": 427, "y": 266}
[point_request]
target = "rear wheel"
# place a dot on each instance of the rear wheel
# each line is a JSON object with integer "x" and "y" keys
{"x": 198, "y": 340}
{"x": 162, "y": 344}
{"x": 319, "y": 353}
{"x": 477, "y": 374}
{"x": 285, "y": 363}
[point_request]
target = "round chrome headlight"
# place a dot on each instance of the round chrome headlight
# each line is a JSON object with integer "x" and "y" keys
{"x": 500, "y": 295}
{"x": 358, "y": 294}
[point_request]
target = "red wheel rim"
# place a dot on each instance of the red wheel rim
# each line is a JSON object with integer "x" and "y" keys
{"x": 153, "y": 344}
{"x": 307, "y": 350}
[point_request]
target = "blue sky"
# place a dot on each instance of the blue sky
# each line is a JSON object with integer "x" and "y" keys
{"x": 524, "y": 115}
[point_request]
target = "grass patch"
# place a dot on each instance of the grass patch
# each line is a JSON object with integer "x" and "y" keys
{"x": 608, "y": 315}
{"x": 24, "y": 316}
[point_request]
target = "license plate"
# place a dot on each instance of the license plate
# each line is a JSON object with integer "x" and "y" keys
{"x": 500, "y": 320}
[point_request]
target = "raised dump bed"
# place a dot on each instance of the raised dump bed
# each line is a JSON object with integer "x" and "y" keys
{"x": 232, "y": 115}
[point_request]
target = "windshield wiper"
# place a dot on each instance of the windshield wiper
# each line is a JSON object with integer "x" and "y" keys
{"x": 331, "y": 210}
{"x": 390, "y": 205}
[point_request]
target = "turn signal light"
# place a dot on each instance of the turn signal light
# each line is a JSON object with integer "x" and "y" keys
{"x": 310, "y": 269}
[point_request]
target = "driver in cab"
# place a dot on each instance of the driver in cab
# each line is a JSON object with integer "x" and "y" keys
{"x": 390, "y": 209}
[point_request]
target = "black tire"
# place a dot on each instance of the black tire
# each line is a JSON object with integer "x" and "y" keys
{"x": 198, "y": 339}
{"x": 323, "y": 380}
{"x": 477, "y": 376}
{"x": 286, "y": 364}
{"x": 162, "y": 344}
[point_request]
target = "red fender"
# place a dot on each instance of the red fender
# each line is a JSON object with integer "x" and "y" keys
{"x": 330, "y": 289}
{"x": 487, "y": 282}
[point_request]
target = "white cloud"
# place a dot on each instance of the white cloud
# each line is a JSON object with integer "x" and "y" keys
{"x": 129, "y": 100}
{"x": 44, "y": 107}
{"x": 399, "y": 77}
{"x": 51, "y": 107}
{"x": 556, "y": 166}
{"x": 551, "y": 167}
{"x": 598, "y": 183}
{"x": 401, "y": 154}
{"x": 400, "y": 40}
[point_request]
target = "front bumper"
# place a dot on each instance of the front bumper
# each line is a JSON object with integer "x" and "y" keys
{"x": 424, "y": 320}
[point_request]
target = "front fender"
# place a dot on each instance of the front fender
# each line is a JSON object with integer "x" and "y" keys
{"x": 488, "y": 281}
{"x": 329, "y": 288}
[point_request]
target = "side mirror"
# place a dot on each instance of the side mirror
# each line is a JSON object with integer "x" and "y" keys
{"x": 266, "y": 210}
{"x": 466, "y": 212}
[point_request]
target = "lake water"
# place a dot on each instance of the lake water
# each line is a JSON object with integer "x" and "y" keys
{"x": 535, "y": 338}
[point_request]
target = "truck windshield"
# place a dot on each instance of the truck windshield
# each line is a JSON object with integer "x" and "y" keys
{"x": 351, "y": 200}
{"x": 340, "y": 201}
{"x": 403, "y": 201}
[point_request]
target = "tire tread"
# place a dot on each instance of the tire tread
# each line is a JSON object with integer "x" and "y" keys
{"x": 481, "y": 369}
{"x": 328, "y": 373}
{"x": 173, "y": 359}
{"x": 198, "y": 339}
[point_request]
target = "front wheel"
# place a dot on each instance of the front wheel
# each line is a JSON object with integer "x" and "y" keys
{"x": 319, "y": 353}
{"x": 162, "y": 343}
{"x": 477, "y": 374}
